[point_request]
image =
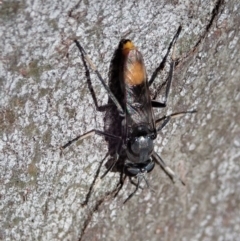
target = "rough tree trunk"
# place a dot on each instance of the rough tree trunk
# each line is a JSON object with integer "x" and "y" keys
{"x": 46, "y": 101}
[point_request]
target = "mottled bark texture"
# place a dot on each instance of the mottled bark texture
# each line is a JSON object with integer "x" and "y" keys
{"x": 46, "y": 100}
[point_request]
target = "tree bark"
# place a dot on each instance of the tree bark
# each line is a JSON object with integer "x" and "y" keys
{"x": 46, "y": 101}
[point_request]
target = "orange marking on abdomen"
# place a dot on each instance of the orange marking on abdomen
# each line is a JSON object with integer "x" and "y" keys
{"x": 128, "y": 46}
{"x": 135, "y": 75}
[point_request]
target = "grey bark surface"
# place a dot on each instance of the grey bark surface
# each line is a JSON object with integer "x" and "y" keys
{"x": 45, "y": 102}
